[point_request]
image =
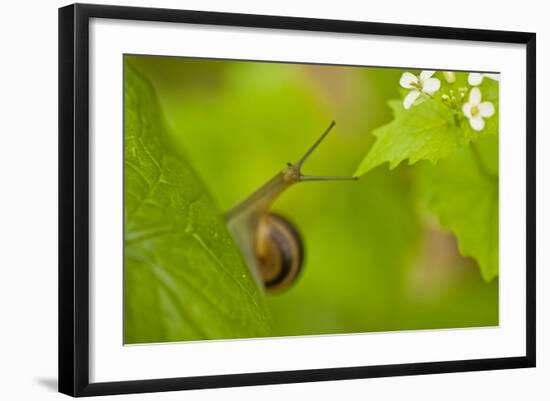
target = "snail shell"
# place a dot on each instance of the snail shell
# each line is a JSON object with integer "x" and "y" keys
{"x": 279, "y": 252}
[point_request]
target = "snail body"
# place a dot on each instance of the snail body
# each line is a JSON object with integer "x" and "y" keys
{"x": 271, "y": 245}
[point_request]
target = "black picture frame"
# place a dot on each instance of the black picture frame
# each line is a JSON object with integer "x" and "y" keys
{"x": 74, "y": 198}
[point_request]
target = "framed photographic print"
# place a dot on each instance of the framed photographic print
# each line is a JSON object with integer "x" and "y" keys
{"x": 249, "y": 199}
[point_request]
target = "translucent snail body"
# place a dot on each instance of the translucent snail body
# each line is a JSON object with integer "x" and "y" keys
{"x": 271, "y": 245}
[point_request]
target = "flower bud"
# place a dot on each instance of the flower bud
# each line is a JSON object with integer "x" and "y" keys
{"x": 449, "y": 76}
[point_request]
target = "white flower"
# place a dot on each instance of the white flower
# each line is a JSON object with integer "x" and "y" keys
{"x": 476, "y": 111}
{"x": 475, "y": 78}
{"x": 424, "y": 83}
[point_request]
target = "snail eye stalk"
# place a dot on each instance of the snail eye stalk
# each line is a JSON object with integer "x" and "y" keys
{"x": 298, "y": 165}
{"x": 300, "y": 162}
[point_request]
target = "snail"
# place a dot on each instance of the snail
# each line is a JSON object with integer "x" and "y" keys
{"x": 271, "y": 245}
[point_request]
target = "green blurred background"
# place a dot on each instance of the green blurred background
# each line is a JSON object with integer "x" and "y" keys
{"x": 375, "y": 260}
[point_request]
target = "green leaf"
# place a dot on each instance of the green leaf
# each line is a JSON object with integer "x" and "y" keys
{"x": 184, "y": 277}
{"x": 426, "y": 131}
{"x": 429, "y": 130}
{"x": 462, "y": 191}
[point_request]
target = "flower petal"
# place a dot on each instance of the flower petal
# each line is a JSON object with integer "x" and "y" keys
{"x": 495, "y": 77}
{"x": 475, "y": 78}
{"x": 475, "y": 96}
{"x": 467, "y": 110}
{"x": 477, "y": 122}
{"x": 407, "y": 79}
{"x": 410, "y": 98}
{"x": 486, "y": 109}
{"x": 431, "y": 85}
{"x": 424, "y": 75}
